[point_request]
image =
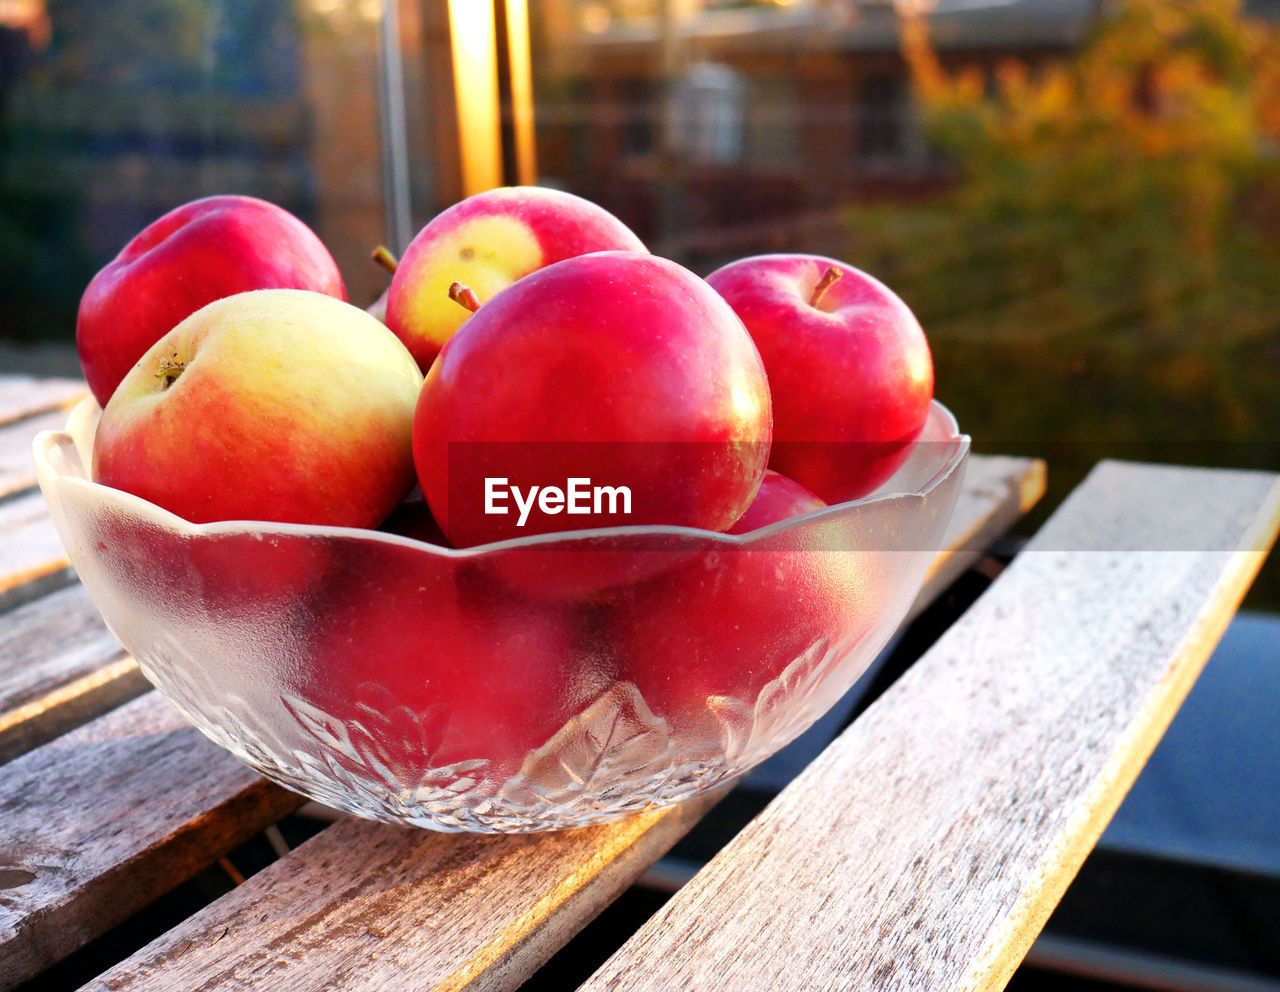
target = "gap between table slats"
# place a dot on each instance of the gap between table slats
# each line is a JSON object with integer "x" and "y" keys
{"x": 59, "y": 667}
{"x": 32, "y": 560}
{"x": 926, "y": 847}
{"x": 370, "y": 906}
{"x": 997, "y": 491}
{"x": 17, "y": 466}
{"x": 101, "y": 820}
{"x": 475, "y": 912}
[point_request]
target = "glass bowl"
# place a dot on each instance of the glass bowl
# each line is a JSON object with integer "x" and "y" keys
{"x": 544, "y": 682}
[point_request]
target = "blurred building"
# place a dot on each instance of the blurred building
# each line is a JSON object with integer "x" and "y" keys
{"x": 759, "y": 110}
{"x": 115, "y": 111}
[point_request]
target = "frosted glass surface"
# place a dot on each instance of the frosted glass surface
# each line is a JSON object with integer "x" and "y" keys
{"x": 547, "y": 682}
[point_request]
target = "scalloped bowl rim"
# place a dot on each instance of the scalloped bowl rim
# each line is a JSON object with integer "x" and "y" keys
{"x": 86, "y": 411}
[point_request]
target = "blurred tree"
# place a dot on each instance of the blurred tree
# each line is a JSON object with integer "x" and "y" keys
{"x": 1168, "y": 101}
{"x": 1103, "y": 277}
{"x": 1108, "y": 228}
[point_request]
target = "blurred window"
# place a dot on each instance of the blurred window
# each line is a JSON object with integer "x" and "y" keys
{"x": 704, "y": 115}
{"x": 882, "y": 109}
{"x": 114, "y": 111}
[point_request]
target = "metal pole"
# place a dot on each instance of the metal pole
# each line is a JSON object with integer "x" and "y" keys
{"x": 395, "y": 147}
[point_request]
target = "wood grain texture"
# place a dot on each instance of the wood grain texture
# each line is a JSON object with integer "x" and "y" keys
{"x": 59, "y": 667}
{"x": 925, "y": 848}
{"x": 17, "y": 467}
{"x": 370, "y": 906}
{"x": 102, "y": 820}
{"x": 25, "y": 395}
{"x": 30, "y": 550}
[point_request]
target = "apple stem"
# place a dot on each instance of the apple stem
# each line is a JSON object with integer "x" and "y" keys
{"x": 382, "y": 255}
{"x": 464, "y": 295}
{"x": 169, "y": 372}
{"x": 831, "y": 276}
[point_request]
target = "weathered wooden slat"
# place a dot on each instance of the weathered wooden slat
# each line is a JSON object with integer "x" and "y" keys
{"x": 17, "y": 468}
{"x": 32, "y": 560}
{"x": 926, "y": 847}
{"x": 101, "y": 820}
{"x": 25, "y": 395}
{"x": 59, "y": 667}
{"x": 997, "y": 491}
{"x": 364, "y": 906}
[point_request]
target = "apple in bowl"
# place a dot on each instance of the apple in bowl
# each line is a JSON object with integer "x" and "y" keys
{"x": 614, "y": 370}
{"x": 433, "y": 678}
{"x": 703, "y": 642}
{"x": 197, "y": 253}
{"x": 779, "y": 498}
{"x": 274, "y": 405}
{"x": 487, "y": 242}
{"x": 849, "y": 368}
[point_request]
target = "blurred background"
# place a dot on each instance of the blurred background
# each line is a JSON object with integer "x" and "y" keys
{"x": 1080, "y": 199}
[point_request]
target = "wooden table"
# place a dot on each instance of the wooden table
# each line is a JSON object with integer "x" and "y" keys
{"x": 922, "y": 850}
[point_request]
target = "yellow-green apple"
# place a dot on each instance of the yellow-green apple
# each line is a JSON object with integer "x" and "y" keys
{"x": 193, "y": 255}
{"x": 848, "y": 364}
{"x": 618, "y": 384}
{"x": 779, "y": 498}
{"x": 278, "y": 404}
{"x": 487, "y": 242}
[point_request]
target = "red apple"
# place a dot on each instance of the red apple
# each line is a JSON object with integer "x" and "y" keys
{"x": 193, "y": 255}
{"x": 487, "y": 242}
{"x": 849, "y": 368}
{"x": 592, "y": 571}
{"x": 280, "y": 405}
{"x": 427, "y": 672}
{"x": 706, "y": 638}
{"x": 621, "y": 370}
{"x": 779, "y": 498}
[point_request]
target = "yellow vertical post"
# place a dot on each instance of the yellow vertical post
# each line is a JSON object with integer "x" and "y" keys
{"x": 474, "y": 46}
{"x": 520, "y": 66}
